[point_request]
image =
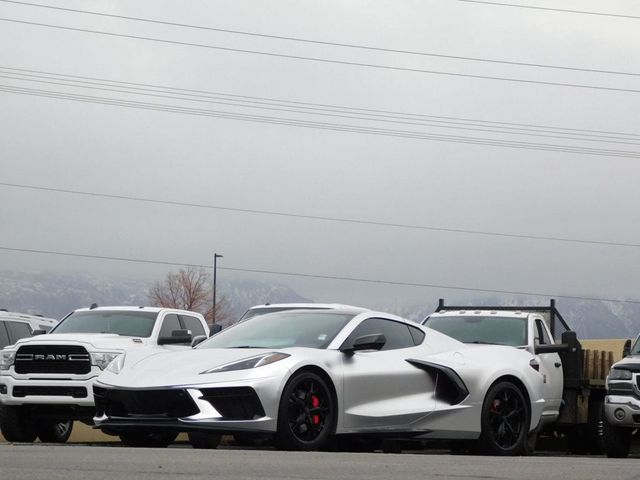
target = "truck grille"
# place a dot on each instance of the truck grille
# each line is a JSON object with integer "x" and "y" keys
{"x": 75, "y": 392}
{"x": 174, "y": 403}
{"x": 52, "y": 359}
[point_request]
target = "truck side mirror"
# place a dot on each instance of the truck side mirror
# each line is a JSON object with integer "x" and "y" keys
{"x": 177, "y": 337}
{"x": 553, "y": 348}
{"x": 214, "y": 328}
{"x": 626, "y": 350}
{"x": 38, "y": 332}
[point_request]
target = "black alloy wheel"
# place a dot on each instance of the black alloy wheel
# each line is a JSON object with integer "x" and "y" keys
{"x": 306, "y": 414}
{"x": 505, "y": 420}
{"x": 55, "y": 432}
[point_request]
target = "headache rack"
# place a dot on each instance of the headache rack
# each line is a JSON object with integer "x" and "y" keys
{"x": 549, "y": 312}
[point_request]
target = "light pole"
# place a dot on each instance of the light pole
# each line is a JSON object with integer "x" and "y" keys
{"x": 215, "y": 271}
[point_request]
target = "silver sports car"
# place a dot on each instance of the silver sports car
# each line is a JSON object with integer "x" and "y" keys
{"x": 305, "y": 376}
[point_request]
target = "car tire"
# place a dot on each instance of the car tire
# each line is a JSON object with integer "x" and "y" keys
{"x": 15, "y": 424}
{"x": 505, "y": 420}
{"x": 55, "y": 432}
{"x": 306, "y": 414}
{"x": 616, "y": 440}
{"x": 148, "y": 439}
{"x": 204, "y": 440}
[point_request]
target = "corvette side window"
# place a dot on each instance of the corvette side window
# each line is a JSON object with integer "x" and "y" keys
{"x": 417, "y": 334}
{"x": 396, "y": 333}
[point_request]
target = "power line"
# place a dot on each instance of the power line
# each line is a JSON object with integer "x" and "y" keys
{"x": 321, "y": 42}
{"x": 309, "y": 275}
{"x": 535, "y": 7}
{"x": 314, "y": 217}
{"x": 339, "y": 108}
{"x": 284, "y": 106}
{"x": 322, "y": 125}
{"x": 326, "y": 60}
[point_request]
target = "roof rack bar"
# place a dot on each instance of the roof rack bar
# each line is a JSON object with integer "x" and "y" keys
{"x": 551, "y": 309}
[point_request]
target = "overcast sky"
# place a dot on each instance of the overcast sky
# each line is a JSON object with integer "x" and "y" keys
{"x": 65, "y": 144}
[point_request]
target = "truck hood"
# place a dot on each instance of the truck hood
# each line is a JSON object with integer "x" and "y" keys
{"x": 631, "y": 362}
{"x": 91, "y": 341}
{"x": 148, "y": 368}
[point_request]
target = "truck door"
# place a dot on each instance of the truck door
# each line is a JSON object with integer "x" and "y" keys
{"x": 550, "y": 367}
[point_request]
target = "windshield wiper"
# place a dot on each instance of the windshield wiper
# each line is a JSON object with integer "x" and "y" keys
{"x": 481, "y": 342}
{"x": 246, "y": 346}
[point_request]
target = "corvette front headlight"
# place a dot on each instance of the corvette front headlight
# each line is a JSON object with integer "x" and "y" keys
{"x": 620, "y": 374}
{"x": 251, "y": 362}
{"x": 7, "y": 359}
{"x": 103, "y": 359}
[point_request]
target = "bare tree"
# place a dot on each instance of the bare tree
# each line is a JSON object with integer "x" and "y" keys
{"x": 190, "y": 289}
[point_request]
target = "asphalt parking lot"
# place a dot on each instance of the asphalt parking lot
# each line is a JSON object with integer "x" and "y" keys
{"x": 81, "y": 462}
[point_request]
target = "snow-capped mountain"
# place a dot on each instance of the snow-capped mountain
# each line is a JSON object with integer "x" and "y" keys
{"x": 54, "y": 295}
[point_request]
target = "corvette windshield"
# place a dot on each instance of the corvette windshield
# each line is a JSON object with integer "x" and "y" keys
{"x": 476, "y": 329}
{"x": 130, "y": 324}
{"x": 314, "y": 329}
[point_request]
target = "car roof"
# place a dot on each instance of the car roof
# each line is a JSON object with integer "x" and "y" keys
{"x": 308, "y": 306}
{"x": 133, "y": 308}
{"x": 5, "y": 315}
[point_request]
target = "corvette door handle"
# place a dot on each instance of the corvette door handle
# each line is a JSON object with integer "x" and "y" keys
{"x": 557, "y": 364}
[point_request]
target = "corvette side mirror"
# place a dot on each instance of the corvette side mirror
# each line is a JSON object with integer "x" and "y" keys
{"x": 373, "y": 341}
{"x": 197, "y": 340}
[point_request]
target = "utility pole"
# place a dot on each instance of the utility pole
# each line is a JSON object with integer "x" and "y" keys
{"x": 215, "y": 271}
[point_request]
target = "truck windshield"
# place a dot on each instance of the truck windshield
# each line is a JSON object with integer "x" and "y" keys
{"x": 313, "y": 329}
{"x": 476, "y": 329}
{"x": 129, "y": 324}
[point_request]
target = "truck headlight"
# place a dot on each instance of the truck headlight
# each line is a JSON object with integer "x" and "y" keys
{"x": 7, "y": 359}
{"x": 116, "y": 364}
{"x": 103, "y": 359}
{"x": 620, "y": 374}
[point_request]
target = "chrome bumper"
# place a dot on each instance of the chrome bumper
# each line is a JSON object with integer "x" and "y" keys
{"x": 622, "y": 410}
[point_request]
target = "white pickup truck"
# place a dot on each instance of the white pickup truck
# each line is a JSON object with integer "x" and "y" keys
{"x": 46, "y": 381}
{"x": 622, "y": 403}
{"x": 573, "y": 404}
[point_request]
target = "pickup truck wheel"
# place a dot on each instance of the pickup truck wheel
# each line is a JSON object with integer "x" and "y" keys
{"x": 202, "y": 440}
{"x": 505, "y": 420}
{"x": 15, "y": 424}
{"x": 148, "y": 439}
{"x": 617, "y": 440}
{"x": 55, "y": 432}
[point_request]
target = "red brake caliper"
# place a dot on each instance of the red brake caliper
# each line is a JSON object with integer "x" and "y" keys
{"x": 494, "y": 405}
{"x": 315, "y": 402}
